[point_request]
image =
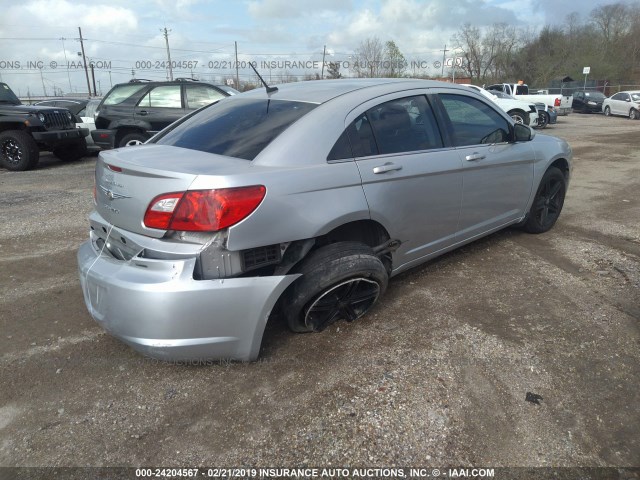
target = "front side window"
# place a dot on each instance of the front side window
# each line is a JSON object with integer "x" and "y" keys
{"x": 201, "y": 95}
{"x": 167, "y": 96}
{"x": 473, "y": 121}
{"x": 239, "y": 128}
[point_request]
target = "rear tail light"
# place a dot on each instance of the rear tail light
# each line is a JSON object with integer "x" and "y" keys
{"x": 556, "y": 102}
{"x": 203, "y": 210}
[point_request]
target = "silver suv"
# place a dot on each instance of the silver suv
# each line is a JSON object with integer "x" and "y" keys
{"x": 307, "y": 200}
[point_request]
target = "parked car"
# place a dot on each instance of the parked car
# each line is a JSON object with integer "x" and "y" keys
{"x": 521, "y": 111}
{"x": 132, "y": 112}
{"x": 587, "y": 102}
{"x": 303, "y": 200}
{"x": 623, "y": 103}
{"x": 83, "y": 109}
{"x": 25, "y": 130}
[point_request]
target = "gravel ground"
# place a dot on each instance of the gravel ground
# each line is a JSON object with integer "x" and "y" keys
{"x": 436, "y": 375}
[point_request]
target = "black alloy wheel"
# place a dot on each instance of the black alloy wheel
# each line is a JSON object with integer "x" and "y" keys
{"x": 348, "y": 300}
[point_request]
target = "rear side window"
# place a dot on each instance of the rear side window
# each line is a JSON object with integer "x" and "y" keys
{"x": 239, "y": 128}
{"x": 473, "y": 121}
{"x": 402, "y": 125}
{"x": 201, "y": 95}
{"x": 120, "y": 94}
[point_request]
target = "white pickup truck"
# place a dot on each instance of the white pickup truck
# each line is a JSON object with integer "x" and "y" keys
{"x": 562, "y": 103}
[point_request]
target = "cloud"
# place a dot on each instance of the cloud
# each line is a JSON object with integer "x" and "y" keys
{"x": 416, "y": 26}
{"x": 98, "y": 17}
{"x": 293, "y": 9}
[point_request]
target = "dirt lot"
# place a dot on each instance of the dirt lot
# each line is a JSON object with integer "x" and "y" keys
{"x": 437, "y": 375}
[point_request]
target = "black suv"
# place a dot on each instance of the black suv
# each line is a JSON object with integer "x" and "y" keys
{"x": 25, "y": 130}
{"x": 132, "y": 112}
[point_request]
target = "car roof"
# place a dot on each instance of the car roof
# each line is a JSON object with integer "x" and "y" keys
{"x": 321, "y": 91}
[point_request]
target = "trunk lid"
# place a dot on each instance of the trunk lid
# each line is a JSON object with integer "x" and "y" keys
{"x": 128, "y": 179}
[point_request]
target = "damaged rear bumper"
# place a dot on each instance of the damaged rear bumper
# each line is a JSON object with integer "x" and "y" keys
{"x": 158, "y": 308}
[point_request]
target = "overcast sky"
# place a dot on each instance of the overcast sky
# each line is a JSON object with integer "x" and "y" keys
{"x": 120, "y": 34}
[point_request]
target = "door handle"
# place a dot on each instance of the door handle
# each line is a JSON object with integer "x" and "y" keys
{"x": 143, "y": 112}
{"x": 475, "y": 156}
{"x": 387, "y": 167}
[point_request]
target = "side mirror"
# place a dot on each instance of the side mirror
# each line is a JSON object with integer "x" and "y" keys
{"x": 523, "y": 133}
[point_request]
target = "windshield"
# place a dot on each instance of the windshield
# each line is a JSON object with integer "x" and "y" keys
{"x": 239, "y": 128}
{"x": 7, "y": 95}
{"x": 498, "y": 94}
{"x": 120, "y": 93}
{"x": 635, "y": 96}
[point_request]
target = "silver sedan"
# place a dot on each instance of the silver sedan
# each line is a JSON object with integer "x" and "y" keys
{"x": 302, "y": 200}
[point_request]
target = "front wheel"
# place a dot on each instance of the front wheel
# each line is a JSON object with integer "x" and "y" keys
{"x": 519, "y": 116}
{"x": 547, "y": 203}
{"x": 633, "y": 114}
{"x": 607, "y": 111}
{"x": 18, "y": 150}
{"x": 339, "y": 281}
{"x": 543, "y": 120}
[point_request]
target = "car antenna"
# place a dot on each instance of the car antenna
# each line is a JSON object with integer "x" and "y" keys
{"x": 269, "y": 89}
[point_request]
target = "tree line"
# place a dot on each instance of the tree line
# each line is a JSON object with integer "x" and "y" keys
{"x": 607, "y": 40}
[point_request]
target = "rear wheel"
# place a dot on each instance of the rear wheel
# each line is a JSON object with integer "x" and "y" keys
{"x": 132, "y": 139}
{"x": 607, "y": 111}
{"x": 339, "y": 281}
{"x": 74, "y": 151}
{"x": 547, "y": 203}
{"x": 18, "y": 150}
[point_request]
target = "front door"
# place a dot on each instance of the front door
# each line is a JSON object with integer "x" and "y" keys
{"x": 497, "y": 173}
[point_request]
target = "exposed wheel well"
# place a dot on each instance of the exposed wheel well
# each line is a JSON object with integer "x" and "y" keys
{"x": 563, "y": 165}
{"x": 369, "y": 232}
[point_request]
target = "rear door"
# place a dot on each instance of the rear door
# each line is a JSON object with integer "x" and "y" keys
{"x": 497, "y": 174}
{"x": 412, "y": 183}
{"x": 160, "y": 107}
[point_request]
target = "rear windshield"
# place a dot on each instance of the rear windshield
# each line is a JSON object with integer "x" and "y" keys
{"x": 120, "y": 94}
{"x": 239, "y": 128}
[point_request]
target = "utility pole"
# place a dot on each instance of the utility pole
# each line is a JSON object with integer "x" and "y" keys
{"x": 110, "y": 83}
{"x": 237, "y": 75}
{"x": 84, "y": 61}
{"x": 93, "y": 77}
{"x": 324, "y": 53}
{"x": 444, "y": 57}
{"x": 44, "y": 89}
{"x": 166, "y": 39}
